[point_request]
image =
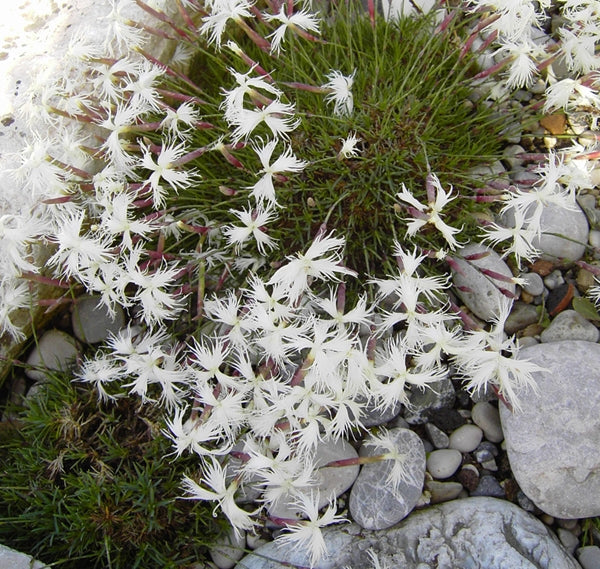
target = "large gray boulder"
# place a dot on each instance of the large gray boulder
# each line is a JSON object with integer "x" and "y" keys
{"x": 553, "y": 442}
{"x": 474, "y": 533}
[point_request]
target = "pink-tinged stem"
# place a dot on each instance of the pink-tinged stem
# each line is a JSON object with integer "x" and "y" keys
{"x": 501, "y": 397}
{"x": 477, "y": 256}
{"x": 52, "y": 302}
{"x": 471, "y": 39}
{"x": 191, "y": 156}
{"x": 496, "y": 276}
{"x": 170, "y": 71}
{"x": 464, "y": 288}
{"x": 186, "y": 17}
{"x": 62, "y": 199}
{"x": 341, "y": 297}
{"x": 445, "y": 22}
{"x": 507, "y": 293}
{"x": 371, "y": 8}
{"x": 261, "y": 42}
{"x": 454, "y": 265}
{"x": 468, "y": 322}
{"x": 34, "y": 277}
{"x": 181, "y": 96}
{"x": 493, "y": 69}
{"x": 591, "y": 268}
{"x": 161, "y": 16}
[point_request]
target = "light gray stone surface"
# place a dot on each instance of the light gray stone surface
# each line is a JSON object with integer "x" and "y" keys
{"x": 553, "y": 442}
{"x": 443, "y": 463}
{"x": 487, "y": 417}
{"x": 11, "y": 559}
{"x": 570, "y": 325}
{"x": 92, "y": 322}
{"x": 374, "y": 502}
{"x": 521, "y": 316}
{"x": 589, "y": 556}
{"x": 480, "y": 293}
{"x": 228, "y": 550}
{"x": 56, "y": 350}
{"x": 474, "y": 533}
{"x": 466, "y": 438}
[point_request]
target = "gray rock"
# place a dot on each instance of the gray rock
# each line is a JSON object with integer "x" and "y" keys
{"x": 330, "y": 481}
{"x": 533, "y": 285}
{"x": 443, "y": 491}
{"x": 474, "y": 533}
{"x": 466, "y": 438}
{"x": 486, "y": 416}
{"x": 481, "y": 293}
{"x": 552, "y": 444}
{"x": 521, "y": 316}
{"x": 564, "y": 233}
{"x": 228, "y": 550}
{"x": 443, "y": 463}
{"x": 373, "y": 416}
{"x": 489, "y": 486}
{"x": 589, "y": 556}
{"x": 570, "y": 325}
{"x": 374, "y": 503}
{"x": 423, "y": 402}
{"x": 569, "y": 540}
{"x": 438, "y": 438}
{"x": 93, "y": 323}
{"x": 55, "y": 351}
{"x": 11, "y": 559}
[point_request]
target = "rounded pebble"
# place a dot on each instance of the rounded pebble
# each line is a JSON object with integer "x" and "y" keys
{"x": 589, "y": 556}
{"x": 534, "y": 284}
{"x": 93, "y": 322}
{"x": 487, "y": 418}
{"x": 570, "y": 325}
{"x": 443, "y": 463}
{"x": 228, "y": 550}
{"x": 56, "y": 351}
{"x": 466, "y": 438}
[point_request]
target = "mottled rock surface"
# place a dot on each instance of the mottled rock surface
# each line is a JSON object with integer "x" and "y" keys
{"x": 553, "y": 442}
{"x": 474, "y": 533}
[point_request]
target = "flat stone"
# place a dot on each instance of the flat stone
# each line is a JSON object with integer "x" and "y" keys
{"x": 443, "y": 463}
{"x": 552, "y": 444}
{"x": 438, "y": 438}
{"x": 570, "y": 229}
{"x": 330, "y": 481}
{"x": 589, "y": 556}
{"x": 423, "y": 403}
{"x": 487, "y": 417}
{"x": 570, "y": 325}
{"x": 489, "y": 486}
{"x": 92, "y": 322}
{"x": 228, "y": 550}
{"x": 11, "y": 559}
{"x": 521, "y": 316}
{"x": 443, "y": 491}
{"x": 55, "y": 351}
{"x": 466, "y": 438}
{"x": 533, "y": 284}
{"x": 374, "y": 503}
{"x": 471, "y": 533}
{"x": 481, "y": 293}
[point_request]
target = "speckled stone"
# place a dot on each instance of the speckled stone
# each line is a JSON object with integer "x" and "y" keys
{"x": 570, "y": 325}
{"x": 478, "y": 533}
{"x": 56, "y": 350}
{"x": 553, "y": 443}
{"x": 423, "y": 404}
{"x": 443, "y": 463}
{"x": 479, "y": 292}
{"x": 93, "y": 323}
{"x": 466, "y": 438}
{"x": 373, "y": 502}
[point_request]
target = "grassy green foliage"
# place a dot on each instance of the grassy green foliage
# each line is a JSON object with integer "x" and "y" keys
{"x": 88, "y": 485}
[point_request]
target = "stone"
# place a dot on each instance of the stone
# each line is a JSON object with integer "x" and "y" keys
{"x": 473, "y": 533}
{"x": 481, "y": 293}
{"x": 489, "y": 486}
{"x": 443, "y": 491}
{"x": 521, "y": 316}
{"x": 466, "y": 438}
{"x": 228, "y": 550}
{"x": 564, "y": 233}
{"x": 11, "y": 559}
{"x": 487, "y": 418}
{"x": 533, "y": 284}
{"x": 438, "y": 438}
{"x": 422, "y": 402}
{"x": 568, "y": 539}
{"x": 443, "y": 463}
{"x": 552, "y": 443}
{"x": 374, "y": 502}
{"x": 330, "y": 481}
{"x": 373, "y": 416}
{"x": 92, "y": 322}
{"x": 570, "y": 325}
{"x": 55, "y": 351}
{"x": 589, "y": 556}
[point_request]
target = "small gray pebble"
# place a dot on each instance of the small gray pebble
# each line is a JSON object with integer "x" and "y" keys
{"x": 567, "y": 538}
{"x": 534, "y": 284}
{"x": 589, "y": 556}
{"x": 525, "y": 503}
{"x": 489, "y": 486}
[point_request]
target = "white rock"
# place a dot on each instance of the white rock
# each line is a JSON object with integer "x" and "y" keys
{"x": 374, "y": 502}
{"x": 589, "y": 557}
{"x": 479, "y": 292}
{"x": 11, "y": 559}
{"x": 228, "y": 550}
{"x": 466, "y": 438}
{"x": 487, "y": 417}
{"x": 482, "y": 533}
{"x": 443, "y": 463}
{"x": 55, "y": 351}
{"x": 553, "y": 443}
{"x": 92, "y": 322}
{"x": 570, "y": 325}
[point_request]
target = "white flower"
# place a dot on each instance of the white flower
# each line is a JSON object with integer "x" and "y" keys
{"x": 298, "y": 21}
{"x": 306, "y": 534}
{"x": 264, "y": 190}
{"x": 165, "y": 168}
{"x": 215, "y": 478}
{"x": 294, "y": 275}
{"x": 185, "y": 114}
{"x": 431, "y": 212}
{"x": 278, "y": 116}
{"x": 223, "y": 11}
{"x": 340, "y": 92}
{"x": 348, "y": 149}
{"x": 254, "y": 223}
